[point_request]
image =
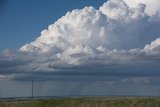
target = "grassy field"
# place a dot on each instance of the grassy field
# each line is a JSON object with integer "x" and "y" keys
{"x": 85, "y": 102}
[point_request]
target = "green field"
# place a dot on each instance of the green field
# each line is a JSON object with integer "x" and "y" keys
{"x": 86, "y": 102}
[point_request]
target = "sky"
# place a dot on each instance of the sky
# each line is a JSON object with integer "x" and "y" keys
{"x": 25, "y": 19}
{"x": 80, "y": 48}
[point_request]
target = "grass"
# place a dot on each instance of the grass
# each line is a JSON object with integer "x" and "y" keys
{"x": 85, "y": 102}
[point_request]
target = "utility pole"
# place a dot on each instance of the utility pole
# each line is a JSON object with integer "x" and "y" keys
{"x": 32, "y": 89}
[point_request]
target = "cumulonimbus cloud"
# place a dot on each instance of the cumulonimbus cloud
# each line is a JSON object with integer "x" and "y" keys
{"x": 152, "y": 7}
{"x": 120, "y": 32}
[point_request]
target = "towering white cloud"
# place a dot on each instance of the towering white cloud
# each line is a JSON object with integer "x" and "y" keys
{"x": 119, "y": 10}
{"x": 115, "y": 26}
{"x": 152, "y": 6}
{"x": 87, "y": 34}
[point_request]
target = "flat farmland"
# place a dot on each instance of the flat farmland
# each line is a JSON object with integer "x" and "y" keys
{"x": 85, "y": 102}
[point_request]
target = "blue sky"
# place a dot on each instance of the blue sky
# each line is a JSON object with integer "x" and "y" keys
{"x": 22, "y": 20}
{"x": 109, "y": 48}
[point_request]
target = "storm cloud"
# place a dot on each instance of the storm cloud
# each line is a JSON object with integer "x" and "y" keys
{"x": 121, "y": 38}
